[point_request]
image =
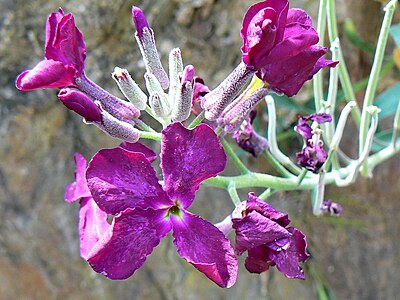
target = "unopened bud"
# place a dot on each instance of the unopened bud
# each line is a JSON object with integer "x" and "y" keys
{"x": 175, "y": 68}
{"x": 117, "y": 107}
{"x": 224, "y": 93}
{"x": 145, "y": 39}
{"x": 80, "y": 103}
{"x": 235, "y": 113}
{"x": 129, "y": 88}
{"x": 118, "y": 129}
{"x": 183, "y": 103}
{"x": 158, "y": 105}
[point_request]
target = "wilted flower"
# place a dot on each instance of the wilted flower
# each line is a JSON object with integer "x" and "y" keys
{"x": 124, "y": 184}
{"x": 333, "y": 208}
{"x": 313, "y": 155}
{"x": 280, "y": 45}
{"x": 262, "y": 231}
{"x": 248, "y": 139}
{"x": 65, "y": 54}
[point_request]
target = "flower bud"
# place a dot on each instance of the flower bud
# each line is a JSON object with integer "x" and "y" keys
{"x": 117, "y": 128}
{"x": 222, "y": 95}
{"x": 145, "y": 39}
{"x": 159, "y": 106}
{"x": 129, "y": 88}
{"x": 81, "y": 104}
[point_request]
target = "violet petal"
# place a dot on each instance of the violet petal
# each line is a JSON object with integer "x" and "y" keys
{"x": 120, "y": 179}
{"x": 46, "y": 74}
{"x": 254, "y": 230}
{"x": 287, "y": 261}
{"x": 138, "y": 147}
{"x": 78, "y": 189}
{"x": 255, "y": 203}
{"x": 206, "y": 248}
{"x": 187, "y": 158}
{"x": 126, "y": 244}
{"x": 92, "y": 225}
{"x": 258, "y": 260}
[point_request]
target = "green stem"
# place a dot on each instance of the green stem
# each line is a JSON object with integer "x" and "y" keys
{"x": 266, "y": 194}
{"x": 236, "y": 160}
{"x": 233, "y": 193}
{"x": 276, "y": 164}
{"x": 343, "y": 73}
{"x": 318, "y": 78}
{"x": 150, "y": 135}
{"x": 374, "y": 77}
{"x": 143, "y": 126}
{"x": 197, "y": 120}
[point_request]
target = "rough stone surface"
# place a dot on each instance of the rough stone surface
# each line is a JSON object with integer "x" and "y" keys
{"x": 356, "y": 256}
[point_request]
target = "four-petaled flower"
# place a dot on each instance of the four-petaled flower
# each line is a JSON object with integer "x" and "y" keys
{"x": 261, "y": 231}
{"x": 280, "y": 44}
{"x": 124, "y": 184}
{"x": 65, "y": 53}
{"x": 313, "y": 155}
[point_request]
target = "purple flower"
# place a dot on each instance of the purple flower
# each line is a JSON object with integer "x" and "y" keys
{"x": 280, "y": 44}
{"x": 65, "y": 54}
{"x": 124, "y": 184}
{"x": 333, "y": 208}
{"x": 313, "y": 155}
{"x": 262, "y": 231}
{"x": 248, "y": 139}
{"x": 92, "y": 220}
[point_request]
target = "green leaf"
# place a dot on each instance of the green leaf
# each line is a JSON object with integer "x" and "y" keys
{"x": 395, "y": 33}
{"x": 388, "y": 101}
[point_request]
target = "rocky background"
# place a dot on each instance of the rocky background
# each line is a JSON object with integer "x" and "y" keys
{"x": 353, "y": 257}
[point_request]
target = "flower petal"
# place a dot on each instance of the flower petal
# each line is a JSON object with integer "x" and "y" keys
{"x": 206, "y": 248}
{"x": 258, "y": 260}
{"x": 255, "y": 229}
{"x": 78, "y": 189}
{"x": 92, "y": 225}
{"x": 138, "y": 147}
{"x": 130, "y": 239}
{"x": 187, "y": 158}
{"x": 287, "y": 261}
{"x": 64, "y": 41}
{"x": 46, "y": 74}
{"x": 255, "y": 203}
{"x": 120, "y": 179}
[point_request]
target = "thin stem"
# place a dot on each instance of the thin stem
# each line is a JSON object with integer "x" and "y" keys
{"x": 236, "y": 160}
{"x": 233, "y": 193}
{"x": 302, "y": 175}
{"x": 318, "y": 78}
{"x": 143, "y": 126}
{"x": 343, "y": 73}
{"x": 276, "y": 164}
{"x": 266, "y": 194}
{"x": 374, "y": 77}
{"x": 197, "y": 120}
{"x": 273, "y": 145}
{"x": 150, "y": 135}
{"x": 396, "y": 125}
{"x": 319, "y": 195}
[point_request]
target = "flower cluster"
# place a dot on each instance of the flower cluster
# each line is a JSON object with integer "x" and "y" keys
{"x": 279, "y": 48}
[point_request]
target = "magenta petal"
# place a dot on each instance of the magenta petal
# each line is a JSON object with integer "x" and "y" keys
{"x": 92, "y": 225}
{"x": 258, "y": 260}
{"x": 46, "y": 74}
{"x": 138, "y": 147}
{"x": 254, "y": 230}
{"x": 255, "y": 203}
{"x": 120, "y": 179}
{"x": 130, "y": 239}
{"x": 206, "y": 248}
{"x": 297, "y": 15}
{"x": 78, "y": 189}
{"x": 287, "y": 261}
{"x": 187, "y": 158}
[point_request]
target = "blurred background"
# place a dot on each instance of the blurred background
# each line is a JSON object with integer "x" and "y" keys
{"x": 355, "y": 256}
